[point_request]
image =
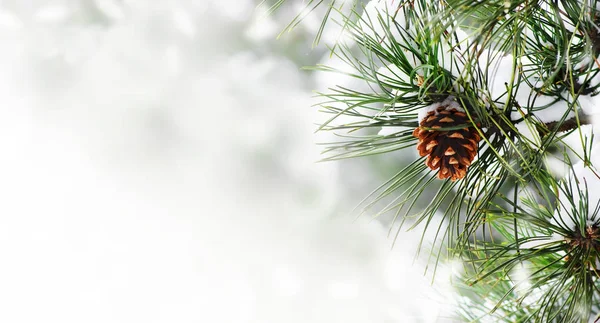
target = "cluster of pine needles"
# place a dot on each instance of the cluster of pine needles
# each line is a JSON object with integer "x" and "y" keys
{"x": 497, "y": 204}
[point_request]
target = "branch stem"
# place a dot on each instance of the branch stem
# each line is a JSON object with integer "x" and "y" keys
{"x": 567, "y": 125}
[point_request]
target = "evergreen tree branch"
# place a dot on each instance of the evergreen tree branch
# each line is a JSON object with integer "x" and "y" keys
{"x": 533, "y": 60}
{"x": 568, "y": 125}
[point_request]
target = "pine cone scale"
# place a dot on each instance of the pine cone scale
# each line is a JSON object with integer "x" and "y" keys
{"x": 456, "y": 135}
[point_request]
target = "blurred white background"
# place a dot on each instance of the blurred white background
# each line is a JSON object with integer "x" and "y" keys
{"x": 158, "y": 165}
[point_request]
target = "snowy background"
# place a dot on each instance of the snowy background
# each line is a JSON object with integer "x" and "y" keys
{"x": 158, "y": 165}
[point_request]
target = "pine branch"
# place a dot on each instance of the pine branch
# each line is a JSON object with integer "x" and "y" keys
{"x": 558, "y": 126}
{"x": 456, "y": 99}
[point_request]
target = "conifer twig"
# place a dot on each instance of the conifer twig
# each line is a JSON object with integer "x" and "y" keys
{"x": 567, "y": 125}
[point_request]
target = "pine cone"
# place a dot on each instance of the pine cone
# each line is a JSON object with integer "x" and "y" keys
{"x": 452, "y": 151}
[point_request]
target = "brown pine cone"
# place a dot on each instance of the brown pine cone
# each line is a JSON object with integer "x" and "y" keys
{"x": 450, "y": 151}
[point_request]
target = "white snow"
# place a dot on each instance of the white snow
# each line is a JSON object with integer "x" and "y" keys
{"x": 529, "y": 132}
{"x": 156, "y": 177}
{"x": 579, "y": 139}
{"x": 589, "y": 104}
{"x": 450, "y": 103}
{"x": 381, "y": 15}
{"x": 545, "y": 108}
{"x": 579, "y": 177}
